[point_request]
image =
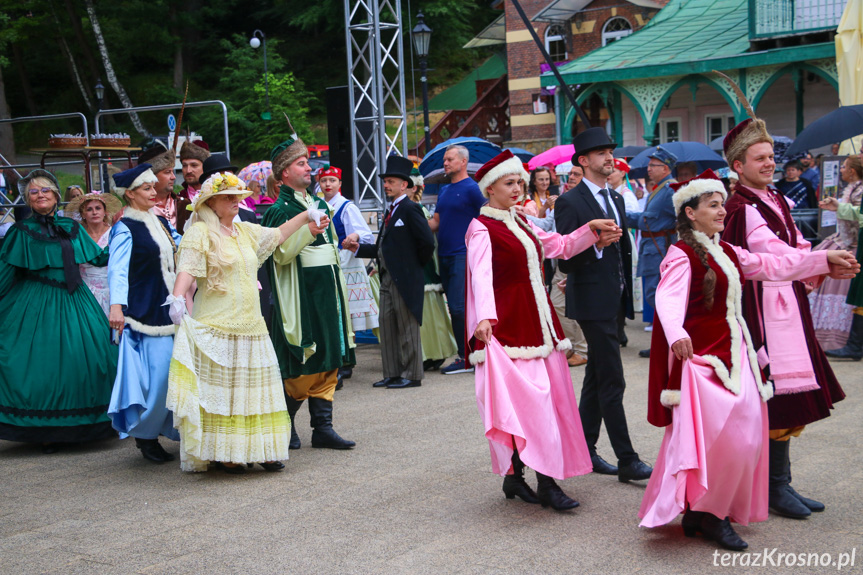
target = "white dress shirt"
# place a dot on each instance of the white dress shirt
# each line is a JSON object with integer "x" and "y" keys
{"x": 594, "y": 189}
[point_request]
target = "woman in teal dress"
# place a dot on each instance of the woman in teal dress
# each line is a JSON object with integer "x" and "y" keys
{"x": 57, "y": 363}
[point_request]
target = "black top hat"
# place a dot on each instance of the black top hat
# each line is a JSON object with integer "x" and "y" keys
{"x": 591, "y": 139}
{"x": 398, "y": 167}
{"x": 216, "y": 163}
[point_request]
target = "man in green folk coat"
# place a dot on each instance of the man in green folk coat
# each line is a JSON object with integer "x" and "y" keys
{"x": 311, "y": 327}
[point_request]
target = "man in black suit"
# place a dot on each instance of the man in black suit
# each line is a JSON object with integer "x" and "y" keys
{"x": 598, "y": 287}
{"x": 405, "y": 244}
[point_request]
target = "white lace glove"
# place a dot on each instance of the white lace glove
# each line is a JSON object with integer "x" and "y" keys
{"x": 177, "y": 308}
{"x": 315, "y": 215}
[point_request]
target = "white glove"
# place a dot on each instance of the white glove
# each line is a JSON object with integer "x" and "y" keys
{"x": 315, "y": 215}
{"x": 177, "y": 308}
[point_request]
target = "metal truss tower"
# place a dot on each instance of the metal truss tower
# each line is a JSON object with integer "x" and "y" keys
{"x": 376, "y": 90}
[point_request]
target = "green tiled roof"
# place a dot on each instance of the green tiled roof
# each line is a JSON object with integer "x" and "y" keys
{"x": 685, "y": 37}
{"x": 463, "y": 95}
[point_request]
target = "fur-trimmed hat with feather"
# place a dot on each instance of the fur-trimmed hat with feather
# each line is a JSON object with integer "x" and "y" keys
{"x": 747, "y": 133}
{"x": 197, "y": 150}
{"x": 287, "y": 152}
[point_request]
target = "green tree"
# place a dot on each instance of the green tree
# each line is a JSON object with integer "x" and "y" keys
{"x": 242, "y": 87}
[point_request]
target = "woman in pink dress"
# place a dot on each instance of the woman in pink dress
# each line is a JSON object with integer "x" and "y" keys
{"x": 523, "y": 386}
{"x": 708, "y": 390}
{"x": 96, "y": 212}
{"x": 831, "y": 316}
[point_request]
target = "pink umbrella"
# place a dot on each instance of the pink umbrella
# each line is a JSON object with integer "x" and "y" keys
{"x": 556, "y": 155}
{"x": 257, "y": 172}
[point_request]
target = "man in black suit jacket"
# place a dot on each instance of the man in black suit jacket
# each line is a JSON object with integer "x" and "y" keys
{"x": 598, "y": 289}
{"x": 405, "y": 244}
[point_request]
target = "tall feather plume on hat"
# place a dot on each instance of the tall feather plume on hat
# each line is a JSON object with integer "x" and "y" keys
{"x": 747, "y": 133}
{"x": 288, "y": 151}
{"x": 167, "y": 159}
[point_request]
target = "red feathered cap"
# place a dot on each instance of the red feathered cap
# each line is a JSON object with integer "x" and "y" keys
{"x": 620, "y": 164}
{"x": 331, "y": 171}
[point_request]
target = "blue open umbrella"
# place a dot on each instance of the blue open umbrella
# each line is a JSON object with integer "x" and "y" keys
{"x": 480, "y": 152}
{"x": 696, "y": 152}
{"x": 521, "y": 154}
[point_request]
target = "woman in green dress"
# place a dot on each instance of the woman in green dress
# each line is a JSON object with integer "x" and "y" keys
{"x": 57, "y": 363}
{"x": 436, "y": 329}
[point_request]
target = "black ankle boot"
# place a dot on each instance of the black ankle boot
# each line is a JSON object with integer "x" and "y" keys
{"x": 811, "y": 504}
{"x": 854, "y": 347}
{"x": 150, "y": 449}
{"x": 516, "y": 485}
{"x": 165, "y": 455}
{"x": 293, "y": 408}
{"x": 781, "y": 499}
{"x": 691, "y": 522}
{"x": 324, "y": 435}
{"x": 720, "y": 530}
{"x": 550, "y": 494}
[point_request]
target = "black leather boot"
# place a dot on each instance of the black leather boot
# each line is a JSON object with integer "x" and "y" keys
{"x": 293, "y": 408}
{"x": 550, "y": 494}
{"x": 516, "y": 485}
{"x": 781, "y": 499}
{"x": 150, "y": 449}
{"x": 691, "y": 522}
{"x": 720, "y": 530}
{"x": 813, "y": 505}
{"x": 324, "y": 435}
{"x": 165, "y": 455}
{"x": 854, "y": 347}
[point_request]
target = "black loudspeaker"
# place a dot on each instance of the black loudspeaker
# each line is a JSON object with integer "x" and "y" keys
{"x": 339, "y": 127}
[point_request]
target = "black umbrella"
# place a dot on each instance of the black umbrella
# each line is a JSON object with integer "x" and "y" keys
{"x": 841, "y": 124}
{"x": 628, "y": 151}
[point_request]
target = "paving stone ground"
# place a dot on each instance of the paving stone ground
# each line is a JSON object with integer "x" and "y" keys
{"x": 416, "y": 496}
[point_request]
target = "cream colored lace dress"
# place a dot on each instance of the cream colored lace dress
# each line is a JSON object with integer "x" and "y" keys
{"x": 225, "y": 388}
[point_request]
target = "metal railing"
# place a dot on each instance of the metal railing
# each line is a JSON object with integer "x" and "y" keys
{"x": 115, "y": 111}
{"x": 770, "y": 18}
{"x": 4, "y": 163}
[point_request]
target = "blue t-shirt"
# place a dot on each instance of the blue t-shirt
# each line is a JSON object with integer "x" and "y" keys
{"x": 457, "y": 204}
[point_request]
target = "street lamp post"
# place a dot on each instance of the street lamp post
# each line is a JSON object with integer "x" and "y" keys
{"x": 422, "y": 36}
{"x": 100, "y": 100}
{"x": 256, "y": 43}
{"x": 100, "y": 93}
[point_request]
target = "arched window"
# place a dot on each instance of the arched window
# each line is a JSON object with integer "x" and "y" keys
{"x": 555, "y": 43}
{"x": 615, "y": 29}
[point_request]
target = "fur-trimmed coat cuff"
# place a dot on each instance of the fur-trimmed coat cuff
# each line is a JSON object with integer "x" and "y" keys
{"x": 669, "y": 397}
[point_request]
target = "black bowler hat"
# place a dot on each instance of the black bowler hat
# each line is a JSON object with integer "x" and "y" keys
{"x": 398, "y": 167}
{"x": 216, "y": 163}
{"x": 591, "y": 139}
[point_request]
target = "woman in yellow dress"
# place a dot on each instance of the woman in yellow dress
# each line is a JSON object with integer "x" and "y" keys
{"x": 225, "y": 388}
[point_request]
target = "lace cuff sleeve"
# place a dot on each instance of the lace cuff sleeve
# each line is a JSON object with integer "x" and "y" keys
{"x": 191, "y": 261}
{"x": 268, "y": 241}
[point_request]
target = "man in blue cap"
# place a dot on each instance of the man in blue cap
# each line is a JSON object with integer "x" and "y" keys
{"x": 656, "y": 224}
